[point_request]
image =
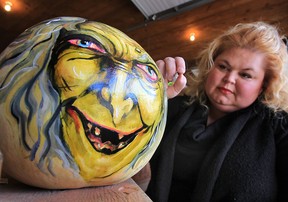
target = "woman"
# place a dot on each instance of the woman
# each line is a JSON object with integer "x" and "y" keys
{"x": 228, "y": 139}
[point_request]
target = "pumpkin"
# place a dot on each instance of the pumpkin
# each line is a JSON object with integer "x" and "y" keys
{"x": 81, "y": 105}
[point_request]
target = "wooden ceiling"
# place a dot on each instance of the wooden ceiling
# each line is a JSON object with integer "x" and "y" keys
{"x": 160, "y": 38}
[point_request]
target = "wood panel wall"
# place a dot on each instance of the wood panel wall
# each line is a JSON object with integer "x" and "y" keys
{"x": 160, "y": 38}
{"x": 170, "y": 37}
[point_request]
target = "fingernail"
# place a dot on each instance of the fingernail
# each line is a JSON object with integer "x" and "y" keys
{"x": 171, "y": 83}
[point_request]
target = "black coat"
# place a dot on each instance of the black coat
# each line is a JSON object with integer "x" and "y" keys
{"x": 248, "y": 162}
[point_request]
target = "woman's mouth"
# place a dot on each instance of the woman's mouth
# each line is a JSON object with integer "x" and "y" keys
{"x": 225, "y": 91}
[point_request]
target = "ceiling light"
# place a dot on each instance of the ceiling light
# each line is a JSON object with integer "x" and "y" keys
{"x": 8, "y": 6}
{"x": 192, "y": 37}
{"x": 159, "y": 9}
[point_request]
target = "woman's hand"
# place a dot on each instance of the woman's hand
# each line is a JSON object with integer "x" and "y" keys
{"x": 171, "y": 69}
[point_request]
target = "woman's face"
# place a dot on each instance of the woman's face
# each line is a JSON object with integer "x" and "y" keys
{"x": 235, "y": 80}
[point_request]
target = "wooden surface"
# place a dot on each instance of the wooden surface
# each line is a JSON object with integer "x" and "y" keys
{"x": 160, "y": 38}
{"x": 125, "y": 191}
{"x": 143, "y": 177}
{"x": 12, "y": 190}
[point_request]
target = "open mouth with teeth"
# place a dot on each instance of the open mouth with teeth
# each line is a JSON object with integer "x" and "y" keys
{"x": 103, "y": 139}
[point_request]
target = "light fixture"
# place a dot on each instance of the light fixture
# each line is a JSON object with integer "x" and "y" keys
{"x": 159, "y": 9}
{"x": 8, "y": 6}
{"x": 192, "y": 37}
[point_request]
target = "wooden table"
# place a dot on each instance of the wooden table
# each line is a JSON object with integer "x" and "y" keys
{"x": 126, "y": 191}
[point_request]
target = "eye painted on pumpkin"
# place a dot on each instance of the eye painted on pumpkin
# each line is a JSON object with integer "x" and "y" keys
{"x": 86, "y": 44}
{"x": 148, "y": 72}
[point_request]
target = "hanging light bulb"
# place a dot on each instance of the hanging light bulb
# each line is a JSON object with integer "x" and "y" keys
{"x": 192, "y": 37}
{"x": 8, "y": 6}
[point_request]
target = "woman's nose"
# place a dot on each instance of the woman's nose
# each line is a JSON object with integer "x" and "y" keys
{"x": 229, "y": 78}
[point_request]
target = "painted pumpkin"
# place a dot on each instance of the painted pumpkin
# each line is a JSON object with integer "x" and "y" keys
{"x": 81, "y": 104}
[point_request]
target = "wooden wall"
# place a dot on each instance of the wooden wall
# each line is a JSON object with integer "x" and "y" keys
{"x": 160, "y": 38}
{"x": 171, "y": 37}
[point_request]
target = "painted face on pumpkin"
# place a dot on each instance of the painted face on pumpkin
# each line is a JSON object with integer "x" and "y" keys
{"x": 110, "y": 111}
{"x": 114, "y": 97}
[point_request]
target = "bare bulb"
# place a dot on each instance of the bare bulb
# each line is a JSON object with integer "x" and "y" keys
{"x": 192, "y": 37}
{"x": 8, "y": 6}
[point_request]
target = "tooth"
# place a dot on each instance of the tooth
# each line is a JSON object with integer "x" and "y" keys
{"x": 121, "y": 145}
{"x": 97, "y": 131}
{"x": 89, "y": 125}
{"x": 105, "y": 145}
{"x": 92, "y": 139}
{"x": 113, "y": 147}
{"x": 120, "y": 136}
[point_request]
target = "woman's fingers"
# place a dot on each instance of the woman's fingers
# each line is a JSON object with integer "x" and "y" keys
{"x": 177, "y": 87}
{"x": 180, "y": 65}
{"x": 172, "y": 70}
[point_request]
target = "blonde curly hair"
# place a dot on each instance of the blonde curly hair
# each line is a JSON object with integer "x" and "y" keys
{"x": 257, "y": 36}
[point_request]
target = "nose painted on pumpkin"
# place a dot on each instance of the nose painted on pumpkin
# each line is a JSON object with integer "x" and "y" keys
{"x": 121, "y": 104}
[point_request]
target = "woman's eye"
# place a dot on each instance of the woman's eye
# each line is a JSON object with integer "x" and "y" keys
{"x": 222, "y": 67}
{"x": 245, "y": 75}
{"x": 148, "y": 72}
{"x": 86, "y": 44}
